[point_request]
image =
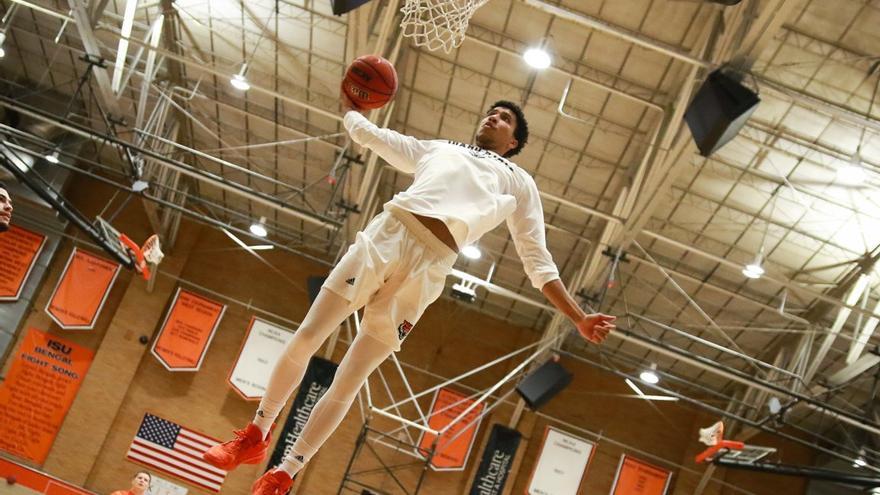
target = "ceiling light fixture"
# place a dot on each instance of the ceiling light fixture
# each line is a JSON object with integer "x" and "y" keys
{"x": 537, "y": 57}
{"x": 239, "y": 81}
{"x": 755, "y": 269}
{"x": 122, "y": 50}
{"x": 650, "y": 375}
{"x": 860, "y": 462}
{"x": 853, "y": 173}
{"x": 2, "y": 41}
{"x": 259, "y": 228}
{"x": 52, "y": 157}
{"x": 472, "y": 252}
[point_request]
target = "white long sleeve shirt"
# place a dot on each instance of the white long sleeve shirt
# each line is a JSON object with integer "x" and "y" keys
{"x": 469, "y": 189}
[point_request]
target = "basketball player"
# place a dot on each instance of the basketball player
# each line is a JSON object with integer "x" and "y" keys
{"x": 139, "y": 484}
{"x": 5, "y": 208}
{"x": 397, "y": 267}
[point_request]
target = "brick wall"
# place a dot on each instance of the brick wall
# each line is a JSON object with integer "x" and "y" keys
{"x": 126, "y": 381}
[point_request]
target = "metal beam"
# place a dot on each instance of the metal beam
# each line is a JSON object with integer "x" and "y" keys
{"x": 278, "y": 204}
{"x": 93, "y": 48}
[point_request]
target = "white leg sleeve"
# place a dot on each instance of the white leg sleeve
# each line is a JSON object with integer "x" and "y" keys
{"x": 365, "y": 355}
{"x": 327, "y": 312}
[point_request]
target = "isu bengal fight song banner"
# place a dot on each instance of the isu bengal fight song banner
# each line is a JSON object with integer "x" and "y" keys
{"x": 42, "y": 382}
{"x": 19, "y": 250}
{"x": 187, "y": 331}
{"x": 82, "y": 290}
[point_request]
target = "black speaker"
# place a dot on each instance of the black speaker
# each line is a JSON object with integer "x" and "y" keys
{"x": 342, "y": 6}
{"x": 718, "y": 111}
{"x": 543, "y": 384}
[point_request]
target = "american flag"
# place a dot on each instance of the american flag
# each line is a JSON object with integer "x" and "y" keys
{"x": 175, "y": 450}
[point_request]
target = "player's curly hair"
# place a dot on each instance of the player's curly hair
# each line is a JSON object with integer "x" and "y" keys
{"x": 520, "y": 131}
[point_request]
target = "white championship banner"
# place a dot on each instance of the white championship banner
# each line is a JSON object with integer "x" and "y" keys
{"x": 261, "y": 349}
{"x": 562, "y": 464}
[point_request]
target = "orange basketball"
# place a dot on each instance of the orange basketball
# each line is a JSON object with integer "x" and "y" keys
{"x": 370, "y": 82}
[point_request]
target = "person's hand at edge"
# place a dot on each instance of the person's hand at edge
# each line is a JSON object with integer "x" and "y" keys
{"x": 595, "y": 327}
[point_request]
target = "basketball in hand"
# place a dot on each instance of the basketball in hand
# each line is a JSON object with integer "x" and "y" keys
{"x": 370, "y": 82}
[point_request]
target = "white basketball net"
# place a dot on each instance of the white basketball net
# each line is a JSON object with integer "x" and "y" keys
{"x": 437, "y": 24}
{"x": 152, "y": 250}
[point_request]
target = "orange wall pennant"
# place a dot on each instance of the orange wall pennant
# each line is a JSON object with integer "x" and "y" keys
{"x": 187, "y": 331}
{"x": 448, "y": 404}
{"x": 635, "y": 477}
{"x": 39, "y": 389}
{"x": 19, "y": 250}
{"x": 82, "y": 290}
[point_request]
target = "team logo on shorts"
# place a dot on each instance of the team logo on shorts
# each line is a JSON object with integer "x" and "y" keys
{"x": 350, "y": 281}
{"x": 403, "y": 329}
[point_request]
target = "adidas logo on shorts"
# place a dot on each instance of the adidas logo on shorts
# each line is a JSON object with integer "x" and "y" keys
{"x": 403, "y": 329}
{"x": 350, "y": 281}
{"x": 300, "y": 458}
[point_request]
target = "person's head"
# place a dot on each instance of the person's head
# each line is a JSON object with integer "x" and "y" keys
{"x": 503, "y": 130}
{"x": 5, "y": 208}
{"x": 141, "y": 482}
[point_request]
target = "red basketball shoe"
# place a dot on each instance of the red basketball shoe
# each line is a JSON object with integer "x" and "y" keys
{"x": 248, "y": 447}
{"x": 274, "y": 482}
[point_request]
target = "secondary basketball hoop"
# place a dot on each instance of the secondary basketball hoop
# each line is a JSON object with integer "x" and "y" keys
{"x": 145, "y": 257}
{"x": 436, "y": 24}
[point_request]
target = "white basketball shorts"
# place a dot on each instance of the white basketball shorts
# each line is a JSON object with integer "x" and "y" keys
{"x": 395, "y": 268}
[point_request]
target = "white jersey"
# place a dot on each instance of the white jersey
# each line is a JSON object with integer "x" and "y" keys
{"x": 469, "y": 189}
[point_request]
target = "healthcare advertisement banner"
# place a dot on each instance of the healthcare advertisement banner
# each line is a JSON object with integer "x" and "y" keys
{"x": 82, "y": 290}
{"x": 45, "y": 374}
{"x": 636, "y": 477}
{"x": 455, "y": 444}
{"x": 261, "y": 349}
{"x": 562, "y": 464}
{"x": 19, "y": 250}
{"x": 496, "y": 462}
{"x": 187, "y": 331}
{"x": 317, "y": 380}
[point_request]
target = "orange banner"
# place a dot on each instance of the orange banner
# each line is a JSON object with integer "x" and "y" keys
{"x": 82, "y": 290}
{"x": 37, "y": 481}
{"x": 187, "y": 331}
{"x": 635, "y": 477}
{"x": 19, "y": 250}
{"x": 454, "y": 445}
{"x": 41, "y": 384}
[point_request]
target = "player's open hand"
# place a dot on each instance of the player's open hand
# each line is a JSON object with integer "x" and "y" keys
{"x": 596, "y": 327}
{"x": 346, "y": 103}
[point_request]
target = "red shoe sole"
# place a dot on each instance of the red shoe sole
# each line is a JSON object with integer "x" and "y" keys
{"x": 254, "y": 459}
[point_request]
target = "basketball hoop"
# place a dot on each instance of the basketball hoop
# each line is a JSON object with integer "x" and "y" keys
{"x": 146, "y": 256}
{"x": 436, "y": 24}
{"x": 713, "y": 436}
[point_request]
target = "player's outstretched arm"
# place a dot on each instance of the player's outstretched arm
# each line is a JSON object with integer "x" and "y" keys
{"x": 401, "y": 151}
{"x": 592, "y": 327}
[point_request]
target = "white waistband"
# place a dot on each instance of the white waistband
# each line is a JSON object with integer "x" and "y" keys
{"x": 421, "y": 232}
